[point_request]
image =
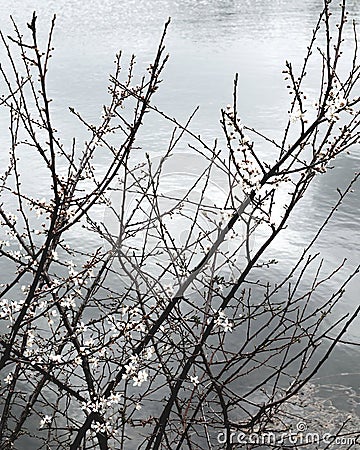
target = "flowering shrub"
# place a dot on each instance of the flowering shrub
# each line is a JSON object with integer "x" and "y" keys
{"x": 152, "y": 334}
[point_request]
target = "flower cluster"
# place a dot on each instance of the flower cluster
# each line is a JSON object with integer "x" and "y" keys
{"x": 335, "y": 102}
{"x": 296, "y": 114}
{"x": 46, "y": 420}
{"x": 9, "y": 377}
{"x": 131, "y": 319}
{"x": 104, "y": 427}
{"x": 55, "y": 358}
{"x": 247, "y": 167}
{"x": 223, "y": 322}
{"x": 133, "y": 370}
{"x": 223, "y": 217}
{"x": 8, "y": 308}
{"x": 68, "y": 302}
{"x": 139, "y": 378}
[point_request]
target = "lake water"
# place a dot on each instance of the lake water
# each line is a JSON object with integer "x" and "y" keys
{"x": 208, "y": 42}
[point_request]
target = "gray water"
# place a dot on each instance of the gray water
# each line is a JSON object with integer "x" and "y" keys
{"x": 208, "y": 42}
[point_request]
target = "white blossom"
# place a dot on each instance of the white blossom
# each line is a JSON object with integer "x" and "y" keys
{"x": 77, "y": 360}
{"x": 8, "y": 379}
{"x": 81, "y": 327}
{"x": 114, "y": 399}
{"x": 94, "y": 361}
{"x": 68, "y": 302}
{"x": 89, "y": 342}
{"x": 55, "y": 358}
{"x": 102, "y": 352}
{"x": 223, "y": 322}
{"x": 149, "y": 352}
{"x": 30, "y": 338}
{"x": 140, "y": 378}
{"x": 102, "y": 427}
{"x": 295, "y": 115}
{"x": 44, "y": 421}
{"x": 224, "y": 217}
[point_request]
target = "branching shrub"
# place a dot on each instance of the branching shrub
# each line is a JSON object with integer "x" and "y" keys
{"x": 136, "y": 307}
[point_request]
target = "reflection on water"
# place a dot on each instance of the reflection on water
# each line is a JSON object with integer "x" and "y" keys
{"x": 209, "y": 41}
{"x": 112, "y": 23}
